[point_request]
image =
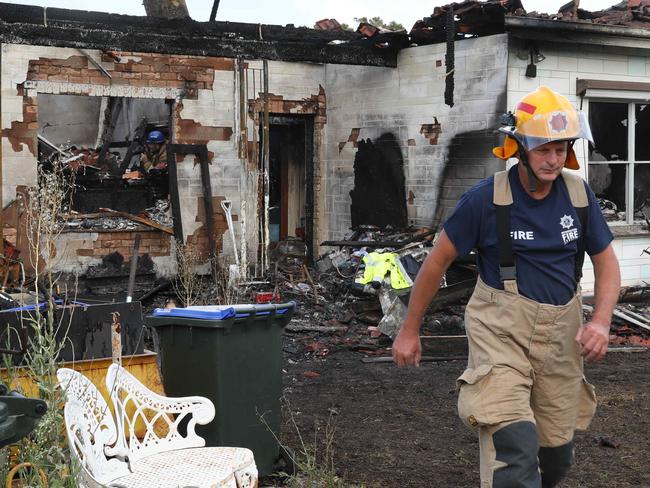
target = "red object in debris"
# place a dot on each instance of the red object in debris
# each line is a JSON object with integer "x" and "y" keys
{"x": 328, "y": 24}
{"x": 311, "y": 374}
{"x": 267, "y": 297}
{"x": 10, "y": 251}
{"x": 318, "y": 348}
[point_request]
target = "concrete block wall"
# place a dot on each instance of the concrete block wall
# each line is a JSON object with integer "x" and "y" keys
{"x": 564, "y": 64}
{"x": 366, "y": 102}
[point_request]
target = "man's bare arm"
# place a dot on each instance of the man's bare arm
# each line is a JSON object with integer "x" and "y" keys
{"x": 407, "y": 349}
{"x": 594, "y": 335}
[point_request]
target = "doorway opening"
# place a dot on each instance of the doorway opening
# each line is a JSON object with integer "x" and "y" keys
{"x": 291, "y": 179}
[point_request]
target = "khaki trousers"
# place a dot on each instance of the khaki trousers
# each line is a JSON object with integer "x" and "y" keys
{"x": 524, "y": 365}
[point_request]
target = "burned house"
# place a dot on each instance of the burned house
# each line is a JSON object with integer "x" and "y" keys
{"x": 306, "y": 132}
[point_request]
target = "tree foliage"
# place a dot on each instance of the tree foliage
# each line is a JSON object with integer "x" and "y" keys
{"x": 379, "y": 22}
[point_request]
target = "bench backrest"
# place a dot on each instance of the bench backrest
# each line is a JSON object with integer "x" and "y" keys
{"x": 90, "y": 427}
{"x": 169, "y": 422}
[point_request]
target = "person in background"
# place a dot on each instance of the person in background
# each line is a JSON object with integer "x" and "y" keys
{"x": 154, "y": 155}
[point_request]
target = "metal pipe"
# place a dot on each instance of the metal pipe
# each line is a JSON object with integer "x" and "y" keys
{"x": 265, "y": 157}
{"x": 134, "y": 267}
{"x": 242, "y": 109}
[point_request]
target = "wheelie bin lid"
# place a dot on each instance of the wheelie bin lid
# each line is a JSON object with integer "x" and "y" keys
{"x": 224, "y": 312}
{"x": 209, "y": 312}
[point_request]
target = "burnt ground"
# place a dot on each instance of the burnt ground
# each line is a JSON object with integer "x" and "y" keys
{"x": 398, "y": 427}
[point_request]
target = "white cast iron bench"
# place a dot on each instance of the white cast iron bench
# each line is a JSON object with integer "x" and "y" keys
{"x": 111, "y": 455}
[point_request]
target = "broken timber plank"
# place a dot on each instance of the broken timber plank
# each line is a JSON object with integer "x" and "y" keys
{"x": 314, "y": 328}
{"x": 423, "y": 359}
{"x": 622, "y": 315}
{"x": 135, "y": 218}
{"x": 627, "y": 349}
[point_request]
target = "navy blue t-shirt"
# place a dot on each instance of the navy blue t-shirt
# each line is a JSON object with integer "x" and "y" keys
{"x": 544, "y": 237}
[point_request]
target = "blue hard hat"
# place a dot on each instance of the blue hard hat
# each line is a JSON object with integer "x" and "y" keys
{"x": 156, "y": 137}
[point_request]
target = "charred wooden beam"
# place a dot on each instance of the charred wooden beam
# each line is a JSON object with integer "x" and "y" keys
{"x": 184, "y": 44}
{"x": 174, "y": 198}
{"x": 215, "y": 7}
{"x": 112, "y": 113}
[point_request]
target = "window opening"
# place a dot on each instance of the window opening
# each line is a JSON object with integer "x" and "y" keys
{"x": 619, "y": 159}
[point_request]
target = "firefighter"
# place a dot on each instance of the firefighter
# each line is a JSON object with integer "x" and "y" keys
{"x": 524, "y": 390}
{"x": 155, "y": 152}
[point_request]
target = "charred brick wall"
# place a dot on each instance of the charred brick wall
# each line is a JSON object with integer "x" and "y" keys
{"x": 154, "y": 242}
{"x": 204, "y": 91}
{"x": 408, "y": 103}
{"x": 189, "y": 81}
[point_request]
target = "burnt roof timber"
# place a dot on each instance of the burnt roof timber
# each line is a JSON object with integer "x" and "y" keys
{"x": 194, "y": 46}
{"x": 20, "y": 24}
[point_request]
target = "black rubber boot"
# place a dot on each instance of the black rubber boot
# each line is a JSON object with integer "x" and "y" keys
{"x": 555, "y": 462}
{"x": 516, "y": 446}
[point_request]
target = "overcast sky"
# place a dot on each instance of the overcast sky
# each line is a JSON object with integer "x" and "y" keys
{"x": 302, "y": 12}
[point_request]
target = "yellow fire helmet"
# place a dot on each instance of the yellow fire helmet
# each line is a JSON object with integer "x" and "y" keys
{"x": 544, "y": 116}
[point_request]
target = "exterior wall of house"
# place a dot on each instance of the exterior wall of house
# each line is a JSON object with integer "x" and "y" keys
{"x": 205, "y": 93}
{"x": 445, "y": 149}
{"x": 564, "y": 64}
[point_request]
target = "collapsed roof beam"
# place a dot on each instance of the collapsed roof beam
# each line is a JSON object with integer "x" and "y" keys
{"x": 103, "y": 39}
{"x": 215, "y": 7}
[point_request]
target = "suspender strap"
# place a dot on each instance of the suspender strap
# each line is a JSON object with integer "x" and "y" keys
{"x": 503, "y": 204}
{"x": 578, "y": 195}
{"x": 507, "y": 267}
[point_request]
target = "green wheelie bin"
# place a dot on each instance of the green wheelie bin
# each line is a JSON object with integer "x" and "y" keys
{"x": 233, "y": 356}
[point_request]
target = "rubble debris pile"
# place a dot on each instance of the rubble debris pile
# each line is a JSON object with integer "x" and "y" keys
{"x": 472, "y": 19}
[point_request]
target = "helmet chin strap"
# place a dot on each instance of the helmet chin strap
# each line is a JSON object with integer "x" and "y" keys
{"x": 532, "y": 177}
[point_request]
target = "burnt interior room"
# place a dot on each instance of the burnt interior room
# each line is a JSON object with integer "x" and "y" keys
{"x": 291, "y": 178}
{"x": 607, "y": 176}
{"x": 103, "y": 140}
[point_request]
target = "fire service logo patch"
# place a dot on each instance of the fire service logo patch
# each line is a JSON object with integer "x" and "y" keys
{"x": 571, "y": 233}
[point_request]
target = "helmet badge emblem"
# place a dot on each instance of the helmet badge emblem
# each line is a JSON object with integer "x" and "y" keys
{"x": 558, "y": 122}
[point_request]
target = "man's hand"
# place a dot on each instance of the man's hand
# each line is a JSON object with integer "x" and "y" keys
{"x": 594, "y": 339}
{"x": 407, "y": 349}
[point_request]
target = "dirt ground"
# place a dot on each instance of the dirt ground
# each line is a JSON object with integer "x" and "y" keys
{"x": 398, "y": 427}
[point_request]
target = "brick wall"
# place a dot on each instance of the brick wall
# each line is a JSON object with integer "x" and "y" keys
{"x": 154, "y": 243}
{"x": 199, "y": 239}
{"x": 134, "y": 69}
{"x": 205, "y": 92}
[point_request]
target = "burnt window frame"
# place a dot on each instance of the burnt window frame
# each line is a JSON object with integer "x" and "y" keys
{"x": 632, "y": 99}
